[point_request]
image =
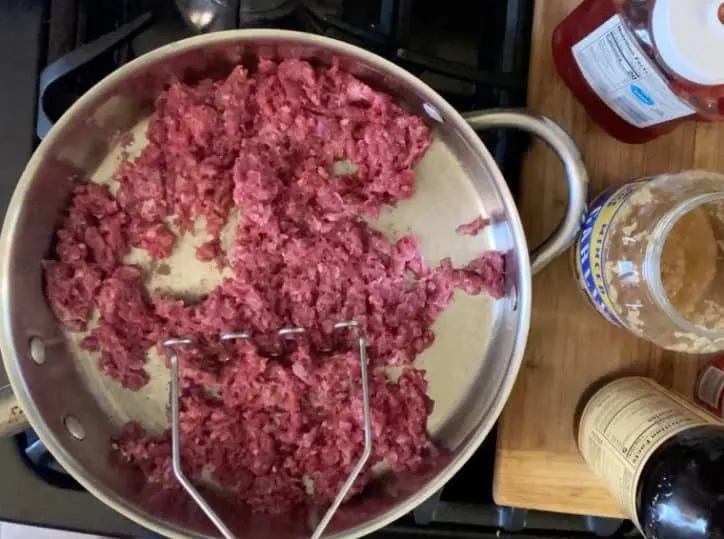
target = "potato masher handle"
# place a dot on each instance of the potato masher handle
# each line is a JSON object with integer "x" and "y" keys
{"x": 175, "y": 398}
{"x": 561, "y": 143}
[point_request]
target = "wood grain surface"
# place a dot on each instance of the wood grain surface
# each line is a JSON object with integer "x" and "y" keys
{"x": 570, "y": 346}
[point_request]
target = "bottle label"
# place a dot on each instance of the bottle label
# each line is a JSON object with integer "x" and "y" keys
{"x": 590, "y": 247}
{"x": 625, "y": 78}
{"x": 621, "y": 427}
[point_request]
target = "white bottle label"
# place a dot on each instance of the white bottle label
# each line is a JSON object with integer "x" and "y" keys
{"x": 625, "y": 78}
{"x": 621, "y": 427}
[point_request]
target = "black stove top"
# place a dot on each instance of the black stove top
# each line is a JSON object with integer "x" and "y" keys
{"x": 474, "y": 53}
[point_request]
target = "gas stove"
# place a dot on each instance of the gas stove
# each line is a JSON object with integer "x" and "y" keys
{"x": 474, "y": 53}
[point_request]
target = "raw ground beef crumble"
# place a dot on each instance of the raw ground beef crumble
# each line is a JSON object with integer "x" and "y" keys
{"x": 473, "y": 228}
{"x": 276, "y": 431}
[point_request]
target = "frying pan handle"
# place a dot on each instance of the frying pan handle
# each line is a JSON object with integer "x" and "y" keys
{"x": 576, "y": 175}
{"x": 12, "y": 417}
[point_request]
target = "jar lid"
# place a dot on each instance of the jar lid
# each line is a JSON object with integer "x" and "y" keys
{"x": 689, "y": 37}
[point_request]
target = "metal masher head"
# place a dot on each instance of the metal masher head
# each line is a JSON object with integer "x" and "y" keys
{"x": 174, "y": 398}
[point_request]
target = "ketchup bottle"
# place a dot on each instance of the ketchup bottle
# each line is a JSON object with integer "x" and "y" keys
{"x": 641, "y": 67}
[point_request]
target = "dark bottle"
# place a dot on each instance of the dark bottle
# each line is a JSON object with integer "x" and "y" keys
{"x": 681, "y": 491}
{"x": 661, "y": 457}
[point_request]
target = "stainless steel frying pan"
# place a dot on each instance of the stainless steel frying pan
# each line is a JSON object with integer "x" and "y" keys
{"x": 471, "y": 367}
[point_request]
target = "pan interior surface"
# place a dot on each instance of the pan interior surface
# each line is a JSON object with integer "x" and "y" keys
{"x": 470, "y": 367}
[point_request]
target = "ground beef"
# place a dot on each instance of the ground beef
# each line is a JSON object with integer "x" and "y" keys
{"x": 71, "y": 290}
{"x": 90, "y": 245}
{"x": 154, "y": 237}
{"x": 211, "y": 251}
{"x": 303, "y": 153}
{"x": 127, "y": 328}
{"x": 487, "y": 272}
{"x": 473, "y": 228}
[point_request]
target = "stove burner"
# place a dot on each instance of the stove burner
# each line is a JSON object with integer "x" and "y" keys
{"x": 39, "y": 459}
{"x": 255, "y": 12}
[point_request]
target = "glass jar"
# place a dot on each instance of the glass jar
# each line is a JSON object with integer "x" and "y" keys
{"x": 650, "y": 258}
{"x": 641, "y": 67}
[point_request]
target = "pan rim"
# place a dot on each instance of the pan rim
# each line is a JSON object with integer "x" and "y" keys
{"x": 12, "y": 356}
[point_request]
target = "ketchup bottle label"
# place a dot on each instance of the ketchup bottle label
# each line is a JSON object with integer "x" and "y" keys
{"x": 625, "y": 78}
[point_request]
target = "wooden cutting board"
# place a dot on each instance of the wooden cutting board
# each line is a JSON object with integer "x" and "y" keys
{"x": 570, "y": 346}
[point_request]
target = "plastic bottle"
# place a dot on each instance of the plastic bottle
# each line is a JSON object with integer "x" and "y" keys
{"x": 642, "y": 67}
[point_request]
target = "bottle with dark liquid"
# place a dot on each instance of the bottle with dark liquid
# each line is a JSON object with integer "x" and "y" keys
{"x": 660, "y": 456}
{"x": 681, "y": 491}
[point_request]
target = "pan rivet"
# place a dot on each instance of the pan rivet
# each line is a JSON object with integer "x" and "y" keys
{"x": 432, "y": 112}
{"x": 74, "y": 427}
{"x": 37, "y": 350}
